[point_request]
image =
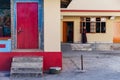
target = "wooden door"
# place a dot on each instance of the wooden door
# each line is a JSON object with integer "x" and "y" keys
{"x": 116, "y": 36}
{"x": 27, "y": 25}
{"x": 64, "y": 32}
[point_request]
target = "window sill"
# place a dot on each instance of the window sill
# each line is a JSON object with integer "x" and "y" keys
{"x": 5, "y": 38}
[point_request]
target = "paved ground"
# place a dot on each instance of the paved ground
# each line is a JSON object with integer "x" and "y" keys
{"x": 98, "y": 65}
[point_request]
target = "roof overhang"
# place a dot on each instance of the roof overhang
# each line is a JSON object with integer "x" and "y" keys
{"x": 66, "y": 12}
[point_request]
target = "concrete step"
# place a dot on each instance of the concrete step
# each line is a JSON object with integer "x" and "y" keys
{"x": 16, "y": 75}
{"x": 27, "y": 59}
{"x": 27, "y": 50}
{"x": 26, "y": 67}
{"x": 66, "y": 47}
{"x": 86, "y": 47}
{"x": 26, "y": 70}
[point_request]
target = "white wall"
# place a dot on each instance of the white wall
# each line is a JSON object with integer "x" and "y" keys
{"x": 52, "y": 25}
{"x": 95, "y": 5}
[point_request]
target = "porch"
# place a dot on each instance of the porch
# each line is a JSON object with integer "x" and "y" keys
{"x": 94, "y": 46}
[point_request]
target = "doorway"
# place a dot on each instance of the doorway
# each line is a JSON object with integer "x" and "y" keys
{"x": 116, "y": 35}
{"x": 68, "y": 32}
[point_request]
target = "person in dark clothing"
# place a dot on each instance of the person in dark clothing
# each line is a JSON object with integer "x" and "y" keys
{"x": 84, "y": 37}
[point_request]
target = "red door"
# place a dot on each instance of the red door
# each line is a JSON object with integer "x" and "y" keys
{"x": 27, "y": 25}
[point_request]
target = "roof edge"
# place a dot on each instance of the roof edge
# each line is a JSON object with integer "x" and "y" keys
{"x": 66, "y": 10}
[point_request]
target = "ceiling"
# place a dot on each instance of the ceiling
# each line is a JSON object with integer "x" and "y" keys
{"x": 65, "y": 3}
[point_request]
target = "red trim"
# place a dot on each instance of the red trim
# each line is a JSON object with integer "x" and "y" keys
{"x": 2, "y": 45}
{"x": 50, "y": 59}
{"x": 90, "y": 10}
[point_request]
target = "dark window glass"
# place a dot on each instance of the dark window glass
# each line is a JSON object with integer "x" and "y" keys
{"x": 97, "y": 27}
{"x": 5, "y": 18}
{"x": 103, "y": 27}
{"x": 87, "y": 19}
{"x": 97, "y": 19}
{"x": 94, "y": 27}
{"x": 83, "y": 23}
{"x": 4, "y": 4}
{"x": 88, "y": 27}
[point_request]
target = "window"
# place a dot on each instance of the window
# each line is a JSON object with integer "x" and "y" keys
{"x": 92, "y": 27}
{"x": 94, "y": 24}
{"x": 5, "y": 21}
{"x": 97, "y": 27}
{"x": 103, "y": 24}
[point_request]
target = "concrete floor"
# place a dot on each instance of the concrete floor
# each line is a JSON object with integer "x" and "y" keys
{"x": 98, "y": 65}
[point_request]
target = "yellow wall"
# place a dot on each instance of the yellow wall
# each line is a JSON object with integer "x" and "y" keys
{"x": 92, "y": 37}
{"x": 103, "y": 37}
{"x": 76, "y": 21}
{"x": 52, "y": 25}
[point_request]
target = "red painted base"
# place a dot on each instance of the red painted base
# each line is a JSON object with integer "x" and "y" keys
{"x": 50, "y": 59}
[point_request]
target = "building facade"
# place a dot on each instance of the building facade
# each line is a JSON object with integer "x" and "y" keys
{"x": 102, "y": 21}
{"x": 27, "y": 28}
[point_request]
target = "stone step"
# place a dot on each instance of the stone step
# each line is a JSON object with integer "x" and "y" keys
{"x": 85, "y": 47}
{"x": 66, "y": 47}
{"x": 13, "y": 75}
{"x": 27, "y": 59}
{"x": 26, "y": 70}
{"x": 26, "y": 65}
{"x": 27, "y": 50}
